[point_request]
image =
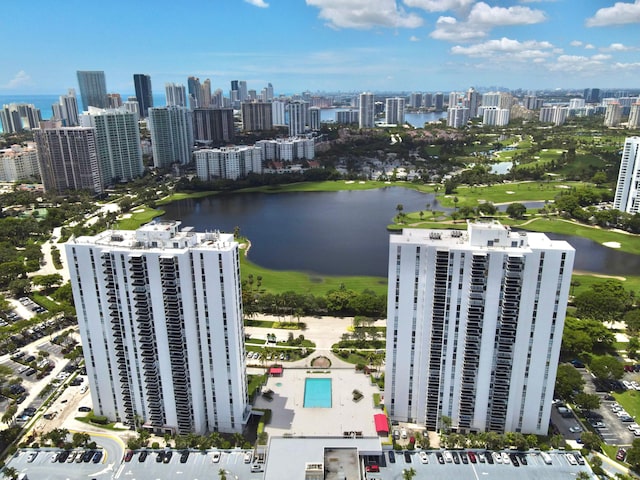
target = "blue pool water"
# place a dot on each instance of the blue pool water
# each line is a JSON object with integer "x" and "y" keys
{"x": 317, "y": 393}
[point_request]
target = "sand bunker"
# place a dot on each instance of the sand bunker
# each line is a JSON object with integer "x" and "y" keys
{"x": 612, "y": 244}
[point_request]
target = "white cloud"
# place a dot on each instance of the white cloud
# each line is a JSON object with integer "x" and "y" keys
{"x": 617, "y": 47}
{"x": 506, "y": 49}
{"x": 364, "y": 14}
{"x": 481, "y": 19}
{"x": 589, "y": 46}
{"x": 592, "y": 66}
{"x": 439, "y": 5}
{"x": 576, "y": 43}
{"x": 621, "y": 13}
{"x": 413, "y": 38}
{"x": 258, "y": 3}
{"x": 20, "y": 79}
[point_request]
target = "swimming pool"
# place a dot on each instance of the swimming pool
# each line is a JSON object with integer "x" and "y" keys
{"x": 317, "y": 393}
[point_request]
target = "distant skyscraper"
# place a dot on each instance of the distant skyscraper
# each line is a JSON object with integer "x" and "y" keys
{"x": 472, "y": 101}
{"x": 438, "y": 102}
{"x": 144, "y": 96}
{"x": 213, "y": 126}
{"x": 592, "y": 95}
{"x": 634, "y": 116}
{"x": 474, "y": 327}
{"x": 242, "y": 91}
{"x": 171, "y": 135}
{"x": 415, "y": 100}
{"x": 314, "y": 118}
{"x": 160, "y": 309}
{"x": 613, "y": 115}
{"x": 257, "y": 116}
{"x": 366, "y": 110}
{"x": 114, "y": 100}
{"x": 298, "y": 112}
{"x": 206, "y": 94}
{"x": 394, "y": 111}
{"x": 454, "y": 98}
{"x": 195, "y": 93}
{"x": 269, "y": 92}
{"x": 117, "y": 143}
{"x": 555, "y": 114}
{"x": 16, "y": 117}
{"x": 427, "y": 100}
{"x": 176, "y": 95}
{"x": 627, "y": 198}
{"x": 68, "y": 158}
{"x": 278, "y": 112}
{"x": 494, "y": 116}
{"x": 457, "y": 117}
{"x": 347, "y": 117}
{"x": 93, "y": 89}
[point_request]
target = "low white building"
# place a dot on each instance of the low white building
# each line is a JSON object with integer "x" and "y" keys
{"x": 19, "y": 163}
{"x": 228, "y": 162}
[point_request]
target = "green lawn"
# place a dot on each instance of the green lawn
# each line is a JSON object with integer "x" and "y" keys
{"x": 507, "y": 193}
{"x": 630, "y": 401}
{"x": 276, "y": 281}
{"x": 139, "y": 216}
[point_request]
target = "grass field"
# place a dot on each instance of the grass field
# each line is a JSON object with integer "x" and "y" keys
{"x": 630, "y": 401}
{"x": 276, "y": 281}
{"x": 140, "y": 216}
{"x": 507, "y": 193}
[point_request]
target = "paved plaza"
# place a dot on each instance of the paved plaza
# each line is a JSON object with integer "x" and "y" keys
{"x": 290, "y": 417}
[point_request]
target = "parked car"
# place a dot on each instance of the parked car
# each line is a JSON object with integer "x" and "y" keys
{"x": 424, "y": 458}
{"x": 247, "y": 457}
{"x": 184, "y": 456}
{"x": 373, "y": 468}
{"x": 392, "y": 457}
{"x": 97, "y": 456}
{"x": 128, "y": 455}
{"x": 32, "y": 456}
{"x": 167, "y": 456}
{"x": 143, "y": 456}
{"x": 440, "y": 458}
{"x": 216, "y": 457}
{"x": 621, "y": 454}
{"x": 407, "y": 457}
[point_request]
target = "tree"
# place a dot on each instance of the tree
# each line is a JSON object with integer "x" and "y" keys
{"x": 57, "y": 436}
{"x": 606, "y": 367}
{"x": 633, "y": 454}
{"x": 408, "y": 473}
{"x": 587, "y": 401}
{"x": 590, "y": 440}
{"x": 10, "y": 473}
{"x": 605, "y": 301}
{"x": 632, "y": 319}
{"x": 582, "y": 475}
{"x": 10, "y": 413}
{"x": 632, "y": 347}
{"x": 568, "y": 380}
{"x": 222, "y": 474}
{"x": 516, "y": 210}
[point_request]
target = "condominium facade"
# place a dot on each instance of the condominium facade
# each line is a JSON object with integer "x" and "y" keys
{"x": 171, "y": 135}
{"x": 19, "y": 163}
{"x": 555, "y": 114}
{"x": 256, "y": 116}
{"x": 627, "y": 198}
{"x": 457, "y": 117}
{"x": 394, "y": 111}
{"x": 298, "y": 116}
{"x": 68, "y": 158}
{"x": 213, "y": 125}
{"x": 634, "y": 116}
{"x": 17, "y": 117}
{"x": 66, "y": 110}
{"x": 117, "y": 143}
{"x": 93, "y": 89}
{"x": 613, "y": 114}
{"x": 287, "y": 149}
{"x": 366, "y": 109}
{"x": 495, "y": 116}
{"x": 160, "y": 317}
{"x": 176, "y": 95}
{"x": 228, "y": 162}
{"x": 474, "y": 327}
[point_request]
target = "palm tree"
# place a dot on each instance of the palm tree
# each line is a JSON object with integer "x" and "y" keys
{"x": 399, "y": 209}
{"x": 408, "y": 474}
{"x": 10, "y": 413}
{"x": 222, "y": 474}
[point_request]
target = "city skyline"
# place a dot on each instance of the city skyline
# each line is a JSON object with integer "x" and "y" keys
{"x": 372, "y": 45}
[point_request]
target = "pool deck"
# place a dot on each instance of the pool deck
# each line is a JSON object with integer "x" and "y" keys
{"x": 290, "y": 418}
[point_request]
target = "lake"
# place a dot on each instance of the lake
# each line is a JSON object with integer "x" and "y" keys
{"x": 341, "y": 233}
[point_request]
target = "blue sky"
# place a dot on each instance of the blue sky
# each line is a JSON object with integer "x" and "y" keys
{"x": 322, "y": 45}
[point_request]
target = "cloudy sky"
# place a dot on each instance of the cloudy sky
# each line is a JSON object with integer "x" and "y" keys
{"x": 322, "y": 45}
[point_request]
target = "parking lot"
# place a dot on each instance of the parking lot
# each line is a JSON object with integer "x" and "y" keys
{"x": 446, "y": 468}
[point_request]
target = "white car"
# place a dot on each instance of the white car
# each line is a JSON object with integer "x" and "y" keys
{"x": 424, "y": 458}
{"x": 247, "y": 457}
{"x": 576, "y": 429}
{"x": 571, "y": 459}
{"x": 505, "y": 458}
{"x": 633, "y": 426}
{"x": 497, "y": 457}
{"x": 447, "y": 457}
{"x": 546, "y": 458}
{"x": 216, "y": 457}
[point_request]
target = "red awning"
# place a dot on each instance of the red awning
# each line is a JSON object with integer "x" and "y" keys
{"x": 275, "y": 371}
{"x": 382, "y": 425}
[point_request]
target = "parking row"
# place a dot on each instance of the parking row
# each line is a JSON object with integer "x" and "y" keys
{"x": 65, "y": 456}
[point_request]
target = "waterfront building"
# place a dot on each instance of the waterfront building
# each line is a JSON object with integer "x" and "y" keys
{"x": 576, "y": 103}
{"x": 17, "y": 117}
{"x": 474, "y": 327}
{"x": 366, "y": 110}
{"x": 457, "y": 117}
{"x": 347, "y": 116}
{"x": 256, "y": 116}
{"x": 160, "y": 317}
{"x": 171, "y": 135}
{"x": 555, "y": 114}
{"x": 67, "y": 158}
{"x": 287, "y": 149}
{"x": 415, "y": 100}
{"x": 176, "y": 95}
{"x": 19, "y": 163}
{"x": 228, "y": 162}
{"x": 117, "y": 143}
{"x": 427, "y": 100}
{"x": 591, "y": 95}
{"x": 394, "y": 111}
{"x": 93, "y": 89}
{"x": 314, "y": 118}
{"x": 634, "y": 116}
{"x": 213, "y": 126}
{"x": 114, "y": 100}
{"x": 144, "y": 95}
{"x": 454, "y": 98}
{"x": 132, "y": 106}
{"x": 627, "y": 197}
{"x": 613, "y": 114}
{"x": 206, "y": 93}
{"x": 472, "y": 102}
{"x": 438, "y": 102}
